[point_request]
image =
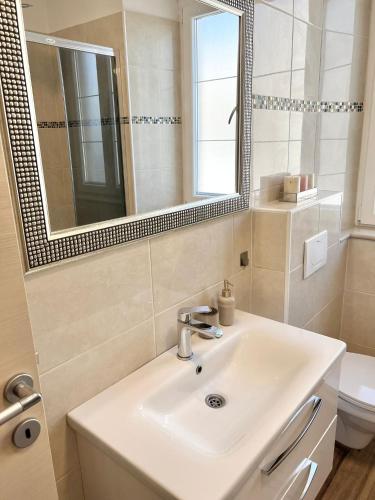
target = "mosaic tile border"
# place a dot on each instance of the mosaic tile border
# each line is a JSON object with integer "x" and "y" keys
{"x": 272, "y": 103}
{"x": 124, "y": 120}
{"x": 40, "y": 250}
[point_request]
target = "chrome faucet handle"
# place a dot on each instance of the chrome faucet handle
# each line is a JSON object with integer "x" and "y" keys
{"x": 185, "y": 314}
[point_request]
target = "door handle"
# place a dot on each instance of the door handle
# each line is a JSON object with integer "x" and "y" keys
{"x": 19, "y": 391}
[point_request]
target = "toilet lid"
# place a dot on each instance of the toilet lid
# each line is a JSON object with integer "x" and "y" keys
{"x": 357, "y": 382}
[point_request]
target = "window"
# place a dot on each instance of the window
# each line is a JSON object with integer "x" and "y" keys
{"x": 215, "y": 97}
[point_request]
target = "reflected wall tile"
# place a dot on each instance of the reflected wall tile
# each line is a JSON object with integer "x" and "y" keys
{"x": 269, "y": 240}
{"x": 189, "y": 260}
{"x": 116, "y": 288}
{"x": 145, "y": 91}
{"x": 157, "y": 189}
{"x": 347, "y": 16}
{"x": 269, "y": 158}
{"x": 274, "y": 85}
{"x": 305, "y": 224}
{"x": 147, "y": 151}
{"x": 332, "y": 156}
{"x": 272, "y": 48}
{"x": 270, "y": 125}
{"x": 310, "y": 11}
{"x": 268, "y": 289}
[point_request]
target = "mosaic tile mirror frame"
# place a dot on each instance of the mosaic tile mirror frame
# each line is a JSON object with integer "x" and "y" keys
{"x": 42, "y": 247}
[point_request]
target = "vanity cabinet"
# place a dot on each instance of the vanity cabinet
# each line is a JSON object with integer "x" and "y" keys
{"x": 153, "y": 436}
{"x": 300, "y": 475}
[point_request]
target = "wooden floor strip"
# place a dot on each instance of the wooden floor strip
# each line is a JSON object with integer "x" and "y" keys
{"x": 353, "y": 475}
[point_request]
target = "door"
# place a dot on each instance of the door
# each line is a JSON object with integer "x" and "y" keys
{"x": 25, "y": 473}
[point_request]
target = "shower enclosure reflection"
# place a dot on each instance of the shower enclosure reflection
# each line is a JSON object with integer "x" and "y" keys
{"x": 136, "y": 107}
{"x": 84, "y": 175}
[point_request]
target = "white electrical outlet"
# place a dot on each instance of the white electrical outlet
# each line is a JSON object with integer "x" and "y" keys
{"x": 315, "y": 253}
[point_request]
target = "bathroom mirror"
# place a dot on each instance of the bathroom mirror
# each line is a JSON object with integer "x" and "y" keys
{"x": 139, "y": 117}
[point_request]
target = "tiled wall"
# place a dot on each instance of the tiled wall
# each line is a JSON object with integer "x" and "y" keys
{"x": 279, "y": 290}
{"x": 97, "y": 319}
{"x": 316, "y": 50}
{"x": 155, "y": 91}
{"x": 358, "y": 318}
{"x": 315, "y": 303}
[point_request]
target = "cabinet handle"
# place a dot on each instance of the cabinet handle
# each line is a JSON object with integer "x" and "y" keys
{"x": 313, "y": 467}
{"x": 316, "y": 403}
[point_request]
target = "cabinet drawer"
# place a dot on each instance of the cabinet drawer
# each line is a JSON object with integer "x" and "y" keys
{"x": 310, "y": 476}
{"x": 295, "y": 444}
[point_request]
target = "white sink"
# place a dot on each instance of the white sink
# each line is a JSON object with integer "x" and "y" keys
{"x": 156, "y": 421}
{"x": 250, "y": 371}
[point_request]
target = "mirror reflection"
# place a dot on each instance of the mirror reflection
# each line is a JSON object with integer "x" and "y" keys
{"x": 136, "y": 104}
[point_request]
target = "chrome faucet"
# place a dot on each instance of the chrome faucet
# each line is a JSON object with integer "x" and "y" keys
{"x": 187, "y": 325}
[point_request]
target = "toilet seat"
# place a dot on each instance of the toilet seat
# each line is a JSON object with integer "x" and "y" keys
{"x": 357, "y": 384}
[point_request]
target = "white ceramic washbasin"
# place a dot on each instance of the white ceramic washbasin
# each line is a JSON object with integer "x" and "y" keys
{"x": 156, "y": 421}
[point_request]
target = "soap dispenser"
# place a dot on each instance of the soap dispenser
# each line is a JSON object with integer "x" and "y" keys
{"x": 226, "y": 305}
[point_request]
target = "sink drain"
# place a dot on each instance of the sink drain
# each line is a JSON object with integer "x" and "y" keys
{"x": 215, "y": 401}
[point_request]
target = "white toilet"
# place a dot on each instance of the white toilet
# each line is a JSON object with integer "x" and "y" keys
{"x": 356, "y": 406}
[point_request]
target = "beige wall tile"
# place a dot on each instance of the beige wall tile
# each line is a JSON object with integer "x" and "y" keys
{"x": 165, "y": 322}
{"x": 358, "y": 319}
{"x": 242, "y": 237}
{"x": 308, "y": 297}
{"x": 361, "y": 266}
{"x": 305, "y": 224}
{"x": 267, "y": 298}
{"x": 85, "y": 376}
{"x": 189, "y": 260}
{"x": 78, "y": 305}
{"x": 269, "y": 242}
{"x": 70, "y": 487}
{"x": 328, "y": 321}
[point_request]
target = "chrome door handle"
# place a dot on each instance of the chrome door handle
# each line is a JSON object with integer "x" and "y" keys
{"x": 316, "y": 403}
{"x": 19, "y": 391}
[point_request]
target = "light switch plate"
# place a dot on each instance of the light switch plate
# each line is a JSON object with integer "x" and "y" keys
{"x": 315, "y": 253}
